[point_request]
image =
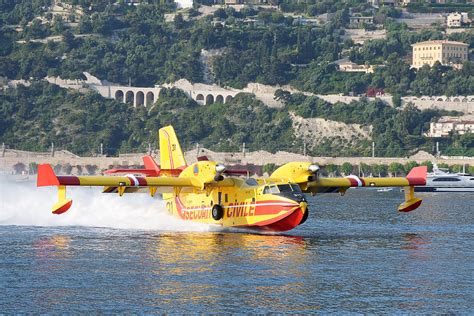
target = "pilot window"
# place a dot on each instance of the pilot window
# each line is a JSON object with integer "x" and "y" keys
{"x": 296, "y": 188}
{"x": 272, "y": 189}
{"x": 284, "y": 188}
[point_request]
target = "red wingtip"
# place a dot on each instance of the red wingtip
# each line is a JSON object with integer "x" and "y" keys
{"x": 46, "y": 176}
{"x": 417, "y": 175}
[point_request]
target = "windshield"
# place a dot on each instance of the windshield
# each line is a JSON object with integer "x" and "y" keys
{"x": 272, "y": 189}
{"x": 282, "y": 188}
{"x": 296, "y": 188}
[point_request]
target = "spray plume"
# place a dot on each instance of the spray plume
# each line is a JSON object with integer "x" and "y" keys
{"x": 25, "y": 204}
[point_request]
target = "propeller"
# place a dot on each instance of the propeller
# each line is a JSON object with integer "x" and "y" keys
{"x": 220, "y": 169}
{"x": 314, "y": 169}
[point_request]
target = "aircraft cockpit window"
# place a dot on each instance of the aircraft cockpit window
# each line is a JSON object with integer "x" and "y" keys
{"x": 284, "y": 188}
{"x": 251, "y": 182}
{"x": 296, "y": 188}
{"x": 272, "y": 189}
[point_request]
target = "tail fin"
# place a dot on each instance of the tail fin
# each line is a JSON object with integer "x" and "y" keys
{"x": 171, "y": 155}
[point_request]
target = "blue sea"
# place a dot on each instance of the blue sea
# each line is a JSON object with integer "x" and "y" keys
{"x": 355, "y": 254}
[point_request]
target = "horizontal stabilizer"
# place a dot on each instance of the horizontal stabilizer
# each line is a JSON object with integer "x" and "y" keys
{"x": 46, "y": 176}
{"x": 417, "y": 175}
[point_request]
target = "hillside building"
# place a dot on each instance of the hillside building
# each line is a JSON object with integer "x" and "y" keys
{"x": 457, "y": 19}
{"x": 448, "y": 53}
{"x": 448, "y": 124}
{"x": 379, "y": 3}
{"x": 346, "y": 65}
{"x": 358, "y": 21}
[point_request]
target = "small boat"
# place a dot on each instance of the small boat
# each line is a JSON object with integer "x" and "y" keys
{"x": 384, "y": 189}
{"x": 441, "y": 180}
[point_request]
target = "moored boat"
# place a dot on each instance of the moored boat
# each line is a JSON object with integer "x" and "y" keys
{"x": 441, "y": 180}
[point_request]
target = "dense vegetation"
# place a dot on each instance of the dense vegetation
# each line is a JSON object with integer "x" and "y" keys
{"x": 152, "y": 43}
{"x": 135, "y": 44}
{"x": 31, "y": 118}
{"x": 396, "y": 132}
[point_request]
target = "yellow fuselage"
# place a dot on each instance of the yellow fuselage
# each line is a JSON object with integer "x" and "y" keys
{"x": 246, "y": 204}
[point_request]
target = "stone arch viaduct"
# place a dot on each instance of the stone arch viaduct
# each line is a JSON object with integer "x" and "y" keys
{"x": 145, "y": 96}
{"x": 205, "y": 94}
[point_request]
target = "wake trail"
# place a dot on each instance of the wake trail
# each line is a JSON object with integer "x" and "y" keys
{"x": 22, "y": 203}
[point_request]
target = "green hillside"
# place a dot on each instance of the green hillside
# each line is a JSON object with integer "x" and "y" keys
{"x": 153, "y": 43}
{"x": 33, "y": 117}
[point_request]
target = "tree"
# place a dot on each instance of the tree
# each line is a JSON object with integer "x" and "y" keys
{"x": 69, "y": 39}
{"x": 346, "y": 168}
{"x": 380, "y": 170}
{"x": 395, "y": 168}
{"x": 85, "y": 25}
{"x": 282, "y": 95}
{"x": 470, "y": 170}
{"x": 32, "y": 168}
{"x": 269, "y": 168}
{"x": 179, "y": 22}
{"x": 397, "y": 100}
{"x": 365, "y": 169}
{"x": 331, "y": 169}
{"x": 429, "y": 164}
{"x": 58, "y": 25}
{"x": 410, "y": 165}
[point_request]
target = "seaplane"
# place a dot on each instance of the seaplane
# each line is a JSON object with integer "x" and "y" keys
{"x": 209, "y": 192}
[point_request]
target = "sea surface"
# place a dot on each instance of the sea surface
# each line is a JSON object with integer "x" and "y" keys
{"x": 355, "y": 254}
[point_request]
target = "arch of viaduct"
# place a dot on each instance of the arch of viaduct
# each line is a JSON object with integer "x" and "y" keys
{"x": 440, "y": 98}
{"x": 138, "y": 96}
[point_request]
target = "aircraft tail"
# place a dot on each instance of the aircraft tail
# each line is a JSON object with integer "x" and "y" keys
{"x": 171, "y": 155}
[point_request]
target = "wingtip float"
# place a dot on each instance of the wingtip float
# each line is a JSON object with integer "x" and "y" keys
{"x": 208, "y": 192}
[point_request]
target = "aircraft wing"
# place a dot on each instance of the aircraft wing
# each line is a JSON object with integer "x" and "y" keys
{"x": 47, "y": 177}
{"x": 326, "y": 184}
{"x": 119, "y": 184}
{"x": 307, "y": 177}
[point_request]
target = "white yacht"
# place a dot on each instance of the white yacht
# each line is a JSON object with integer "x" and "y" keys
{"x": 441, "y": 180}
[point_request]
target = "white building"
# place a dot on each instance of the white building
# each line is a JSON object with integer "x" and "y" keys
{"x": 346, "y": 65}
{"x": 457, "y": 19}
{"x": 357, "y": 21}
{"x": 448, "y": 53}
{"x": 378, "y": 3}
{"x": 447, "y": 124}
